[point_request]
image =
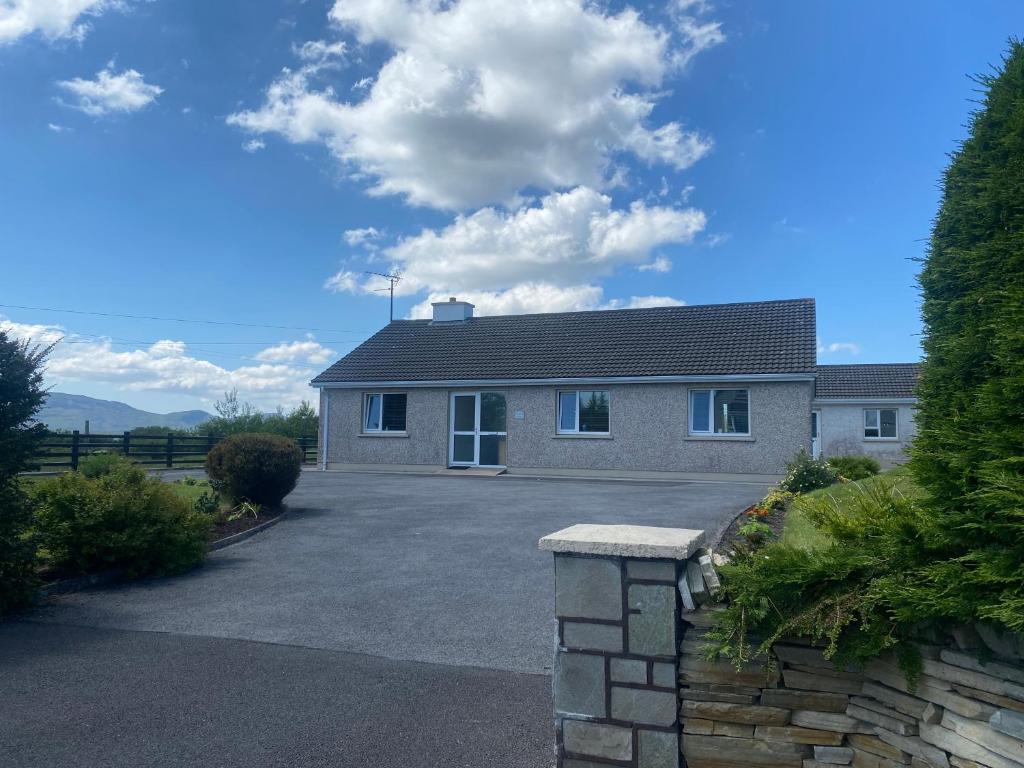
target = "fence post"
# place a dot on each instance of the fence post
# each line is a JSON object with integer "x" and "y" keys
{"x": 126, "y": 443}
{"x": 210, "y": 442}
{"x": 170, "y": 449}
{"x": 74, "y": 450}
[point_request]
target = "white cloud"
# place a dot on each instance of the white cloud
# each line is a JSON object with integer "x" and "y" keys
{"x": 57, "y": 128}
{"x": 717, "y": 239}
{"x": 849, "y": 347}
{"x": 53, "y": 19}
{"x": 111, "y": 91}
{"x": 569, "y": 239}
{"x": 484, "y": 98}
{"x": 253, "y": 145}
{"x": 660, "y": 264}
{"x": 308, "y": 351}
{"x": 361, "y": 236}
{"x": 279, "y": 375}
{"x": 641, "y": 302}
{"x": 321, "y": 53}
{"x": 542, "y": 297}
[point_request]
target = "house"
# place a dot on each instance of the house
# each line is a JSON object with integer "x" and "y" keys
{"x": 667, "y": 392}
{"x": 865, "y": 409}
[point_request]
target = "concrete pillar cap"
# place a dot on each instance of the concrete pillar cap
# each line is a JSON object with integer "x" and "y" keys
{"x": 642, "y": 541}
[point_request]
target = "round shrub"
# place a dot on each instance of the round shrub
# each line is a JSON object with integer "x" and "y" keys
{"x": 805, "y": 474}
{"x": 258, "y": 468}
{"x": 855, "y": 467}
{"x": 100, "y": 463}
{"x": 121, "y": 519}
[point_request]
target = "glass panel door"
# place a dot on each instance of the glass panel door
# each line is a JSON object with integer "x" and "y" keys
{"x": 478, "y": 429}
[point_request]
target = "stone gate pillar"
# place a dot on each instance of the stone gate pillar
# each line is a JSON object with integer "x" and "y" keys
{"x": 615, "y": 669}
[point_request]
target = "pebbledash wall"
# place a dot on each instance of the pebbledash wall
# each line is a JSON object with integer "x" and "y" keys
{"x": 632, "y": 689}
{"x": 648, "y": 432}
{"x": 842, "y": 430}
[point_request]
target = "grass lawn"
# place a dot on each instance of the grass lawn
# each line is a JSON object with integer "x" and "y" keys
{"x": 800, "y": 531}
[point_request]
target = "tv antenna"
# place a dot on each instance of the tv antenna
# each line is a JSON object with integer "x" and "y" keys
{"x": 392, "y": 278}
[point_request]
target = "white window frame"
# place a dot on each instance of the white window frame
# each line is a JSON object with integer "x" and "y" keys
{"x": 379, "y": 429}
{"x": 710, "y": 432}
{"x": 878, "y": 424}
{"x": 576, "y": 421}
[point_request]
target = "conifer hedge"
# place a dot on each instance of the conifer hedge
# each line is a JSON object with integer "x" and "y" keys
{"x": 900, "y": 568}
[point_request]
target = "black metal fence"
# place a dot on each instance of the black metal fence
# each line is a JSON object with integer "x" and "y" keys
{"x": 62, "y": 451}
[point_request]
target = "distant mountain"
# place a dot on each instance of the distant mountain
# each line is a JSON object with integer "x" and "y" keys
{"x": 64, "y": 411}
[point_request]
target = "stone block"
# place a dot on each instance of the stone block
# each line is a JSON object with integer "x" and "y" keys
{"x": 952, "y": 742}
{"x": 830, "y": 671}
{"x": 982, "y": 733}
{"x": 696, "y": 671}
{"x": 695, "y": 580}
{"x": 707, "y": 569}
{"x": 881, "y": 720}
{"x": 652, "y": 570}
{"x": 997, "y": 702}
{"x": 729, "y": 752}
{"x": 705, "y": 616}
{"x": 972, "y": 679}
{"x": 802, "y": 655}
{"x": 632, "y": 541}
{"x": 901, "y": 702}
{"x": 726, "y": 688}
{"x": 817, "y": 701}
{"x": 959, "y": 762}
{"x": 639, "y": 705}
{"x": 597, "y": 740}
{"x": 932, "y": 713}
{"x": 868, "y": 760}
{"x": 657, "y": 749}
{"x": 698, "y": 726}
{"x": 993, "y": 668}
{"x": 818, "y": 764}
{"x": 628, "y": 671}
{"x": 874, "y": 745}
{"x": 737, "y": 730}
{"x": 1008, "y": 722}
{"x": 652, "y": 632}
{"x": 967, "y": 637}
{"x": 918, "y": 746}
{"x": 588, "y": 587}
{"x": 579, "y": 684}
{"x": 820, "y": 682}
{"x": 664, "y": 674}
{"x": 736, "y": 713}
{"x": 833, "y": 755}
{"x": 574, "y": 763}
{"x": 796, "y": 735}
{"x": 685, "y": 596}
{"x": 724, "y": 698}
{"x": 592, "y": 637}
{"x": 1002, "y": 643}
{"x": 824, "y": 721}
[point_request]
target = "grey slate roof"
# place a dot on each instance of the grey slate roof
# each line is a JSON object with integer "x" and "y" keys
{"x": 712, "y": 339}
{"x": 882, "y": 380}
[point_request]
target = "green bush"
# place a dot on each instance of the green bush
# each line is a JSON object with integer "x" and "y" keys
{"x": 206, "y": 503}
{"x": 805, "y": 474}
{"x": 258, "y": 468}
{"x": 100, "y": 463}
{"x": 855, "y": 467}
{"x": 122, "y": 520}
{"x": 21, "y": 395}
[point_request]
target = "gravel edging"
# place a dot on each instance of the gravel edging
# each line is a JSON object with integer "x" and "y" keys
{"x": 78, "y": 583}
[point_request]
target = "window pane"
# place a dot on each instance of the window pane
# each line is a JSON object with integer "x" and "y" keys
{"x": 492, "y": 413}
{"x": 814, "y": 424}
{"x": 731, "y": 412}
{"x": 870, "y": 418}
{"x": 567, "y": 411}
{"x": 594, "y": 411}
{"x": 372, "y": 423}
{"x": 492, "y": 450}
{"x": 699, "y": 399}
{"x": 463, "y": 448}
{"x": 393, "y": 415}
{"x": 465, "y": 413}
{"x": 888, "y": 418}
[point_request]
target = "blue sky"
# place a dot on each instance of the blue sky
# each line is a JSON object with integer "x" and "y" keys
{"x": 247, "y": 162}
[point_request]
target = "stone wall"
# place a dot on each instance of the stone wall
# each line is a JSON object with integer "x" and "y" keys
{"x": 800, "y": 711}
{"x": 632, "y": 688}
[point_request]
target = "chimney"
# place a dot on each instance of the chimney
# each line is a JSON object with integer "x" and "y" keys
{"x": 452, "y": 311}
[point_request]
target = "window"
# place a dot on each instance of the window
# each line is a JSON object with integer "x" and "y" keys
{"x": 583, "y": 412}
{"x": 384, "y": 412}
{"x": 719, "y": 412}
{"x": 880, "y": 423}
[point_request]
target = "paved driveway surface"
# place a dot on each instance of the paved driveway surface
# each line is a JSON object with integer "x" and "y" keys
{"x": 387, "y": 620}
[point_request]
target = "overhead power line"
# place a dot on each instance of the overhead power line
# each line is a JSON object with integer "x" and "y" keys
{"x": 182, "y": 320}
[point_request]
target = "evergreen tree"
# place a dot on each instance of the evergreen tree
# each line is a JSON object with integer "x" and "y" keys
{"x": 21, "y": 395}
{"x": 969, "y": 452}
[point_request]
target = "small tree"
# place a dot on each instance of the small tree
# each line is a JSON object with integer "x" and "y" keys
{"x": 21, "y": 395}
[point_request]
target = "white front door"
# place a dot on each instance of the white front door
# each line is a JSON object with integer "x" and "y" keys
{"x": 816, "y": 434}
{"x": 478, "y": 429}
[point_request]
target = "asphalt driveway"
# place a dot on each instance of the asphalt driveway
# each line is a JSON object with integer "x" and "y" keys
{"x": 384, "y": 614}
